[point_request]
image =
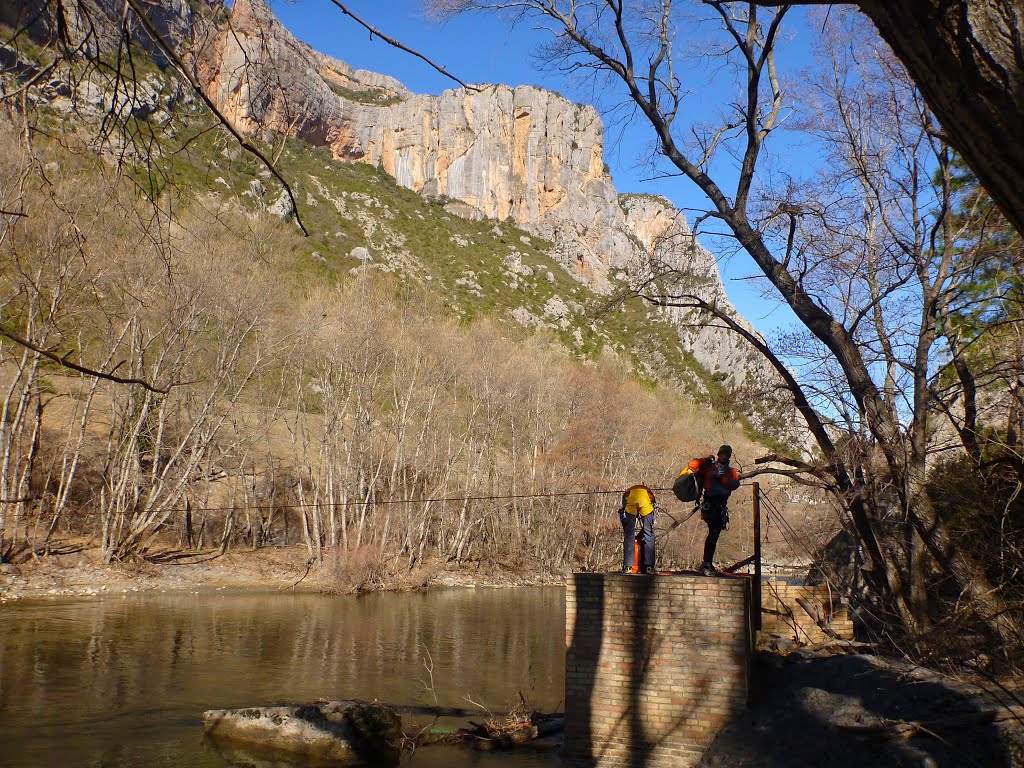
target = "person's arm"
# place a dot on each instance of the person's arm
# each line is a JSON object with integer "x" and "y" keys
{"x": 731, "y": 479}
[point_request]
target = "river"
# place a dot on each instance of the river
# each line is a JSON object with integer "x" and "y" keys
{"x": 122, "y": 681}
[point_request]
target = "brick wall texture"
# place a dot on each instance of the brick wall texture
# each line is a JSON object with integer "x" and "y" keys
{"x": 655, "y": 666}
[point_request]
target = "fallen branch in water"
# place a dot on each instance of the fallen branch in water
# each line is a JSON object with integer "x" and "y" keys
{"x": 492, "y": 737}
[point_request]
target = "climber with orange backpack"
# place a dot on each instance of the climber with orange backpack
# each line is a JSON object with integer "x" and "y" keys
{"x": 636, "y": 513}
{"x": 712, "y": 478}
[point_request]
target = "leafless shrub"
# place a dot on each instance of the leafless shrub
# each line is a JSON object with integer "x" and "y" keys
{"x": 357, "y": 569}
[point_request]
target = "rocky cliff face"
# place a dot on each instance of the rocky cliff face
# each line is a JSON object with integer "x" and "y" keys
{"x": 670, "y": 247}
{"x": 489, "y": 152}
{"x": 492, "y": 151}
{"x": 496, "y": 152}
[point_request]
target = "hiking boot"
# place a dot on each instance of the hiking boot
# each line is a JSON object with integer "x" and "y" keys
{"x": 650, "y": 569}
{"x": 707, "y": 569}
{"x": 626, "y": 570}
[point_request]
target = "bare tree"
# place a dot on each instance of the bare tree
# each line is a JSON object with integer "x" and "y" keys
{"x": 967, "y": 58}
{"x": 782, "y": 232}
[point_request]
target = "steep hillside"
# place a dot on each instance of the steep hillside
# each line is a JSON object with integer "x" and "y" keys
{"x": 490, "y": 151}
{"x": 514, "y": 214}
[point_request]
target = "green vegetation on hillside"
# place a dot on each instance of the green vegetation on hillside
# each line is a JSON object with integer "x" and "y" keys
{"x": 376, "y": 98}
{"x": 292, "y": 400}
{"x": 347, "y": 206}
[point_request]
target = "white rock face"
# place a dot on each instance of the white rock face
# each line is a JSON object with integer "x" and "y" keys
{"x": 496, "y": 152}
{"x": 670, "y": 245}
{"x": 491, "y": 151}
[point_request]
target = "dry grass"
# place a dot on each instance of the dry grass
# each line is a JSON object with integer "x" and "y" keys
{"x": 363, "y": 388}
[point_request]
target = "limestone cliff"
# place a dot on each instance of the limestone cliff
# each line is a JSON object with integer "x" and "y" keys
{"x": 670, "y": 246}
{"x": 492, "y": 151}
{"x": 488, "y": 152}
{"x": 497, "y": 152}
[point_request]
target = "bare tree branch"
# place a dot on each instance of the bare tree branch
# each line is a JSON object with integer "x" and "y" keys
{"x": 65, "y": 363}
{"x": 396, "y": 44}
{"x": 168, "y": 49}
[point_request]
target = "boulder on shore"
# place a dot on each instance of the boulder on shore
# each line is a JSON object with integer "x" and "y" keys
{"x": 342, "y": 731}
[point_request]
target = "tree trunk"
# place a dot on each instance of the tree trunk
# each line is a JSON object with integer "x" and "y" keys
{"x": 967, "y": 57}
{"x": 988, "y": 603}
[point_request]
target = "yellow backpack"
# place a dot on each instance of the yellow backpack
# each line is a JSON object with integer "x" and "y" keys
{"x": 638, "y": 500}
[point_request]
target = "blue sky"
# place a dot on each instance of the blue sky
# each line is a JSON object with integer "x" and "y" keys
{"x": 480, "y": 48}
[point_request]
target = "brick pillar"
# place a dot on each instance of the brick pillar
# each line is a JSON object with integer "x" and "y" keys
{"x": 656, "y": 665}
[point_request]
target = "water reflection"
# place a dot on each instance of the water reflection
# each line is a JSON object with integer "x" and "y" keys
{"x": 122, "y": 681}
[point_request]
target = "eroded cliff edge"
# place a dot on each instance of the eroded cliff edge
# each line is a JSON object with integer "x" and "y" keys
{"x": 490, "y": 151}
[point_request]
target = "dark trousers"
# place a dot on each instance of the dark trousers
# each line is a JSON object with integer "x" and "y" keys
{"x": 629, "y": 532}
{"x": 716, "y": 515}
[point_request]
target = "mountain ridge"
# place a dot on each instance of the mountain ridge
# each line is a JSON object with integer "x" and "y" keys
{"x": 496, "y": 152}
{"x": 519, "y": 155}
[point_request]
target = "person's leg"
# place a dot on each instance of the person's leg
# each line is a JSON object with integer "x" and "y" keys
{"x": 647, "y": 542}
{"x": 710, "y": 543}
{"x": 628, "y": 537}
{"x": 713, "y": 517}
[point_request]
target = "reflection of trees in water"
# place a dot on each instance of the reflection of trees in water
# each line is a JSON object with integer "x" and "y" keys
{"x": 193, "y": 652}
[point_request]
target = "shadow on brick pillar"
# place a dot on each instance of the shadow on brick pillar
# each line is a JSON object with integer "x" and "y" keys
{"x": 655, "y": 667}
{"x": 643, "y": 637}
{"x": 584, "y": 647}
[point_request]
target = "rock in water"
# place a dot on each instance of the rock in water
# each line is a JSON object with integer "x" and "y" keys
{"x": 343, "y": 731}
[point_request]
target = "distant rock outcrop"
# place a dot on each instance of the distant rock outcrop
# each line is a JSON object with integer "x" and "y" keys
{"x": 492, "y": 151}
{"x": 502, "y": 153}
{"x": 669, "y": 245}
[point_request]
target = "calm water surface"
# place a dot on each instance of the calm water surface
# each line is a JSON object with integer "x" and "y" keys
{"x": 122, "y": 681}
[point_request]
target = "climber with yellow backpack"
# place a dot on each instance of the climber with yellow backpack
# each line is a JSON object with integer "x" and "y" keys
{"x": 636, "y": 513}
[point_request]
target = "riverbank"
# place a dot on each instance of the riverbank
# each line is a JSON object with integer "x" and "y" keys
{"x": 811, "y": 711}
{"x": 806, "y": 710}
{"x": 82, "y": 573}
